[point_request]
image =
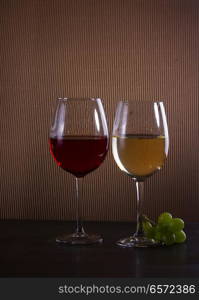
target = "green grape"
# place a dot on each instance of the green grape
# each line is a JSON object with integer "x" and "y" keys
{"x": 168, "y": 230}
{"x": 151, "y": 233}
{"x": 149, "y": 229}
{"x": 180, "y": 236}
{"x": 169, "y": 239}
{"x": 158, "y": 236}
{"x": 164, "y": 218}
{"x": 164, "y": 228}
{"x": 146, "y": 226}
{"x": 177, "y": 224}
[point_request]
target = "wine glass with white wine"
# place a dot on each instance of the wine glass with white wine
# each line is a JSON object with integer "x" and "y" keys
{"x": 140, "y": 145}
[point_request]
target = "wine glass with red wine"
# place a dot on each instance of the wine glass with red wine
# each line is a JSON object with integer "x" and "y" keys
{"x": 79, "y": 144}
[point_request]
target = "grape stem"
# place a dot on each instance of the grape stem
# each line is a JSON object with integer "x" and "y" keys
{"x": 146, "y": 219}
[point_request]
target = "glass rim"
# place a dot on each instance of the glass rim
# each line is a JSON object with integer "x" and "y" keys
{"x": 140, "y": 101}
{"x": 78, "y": 99}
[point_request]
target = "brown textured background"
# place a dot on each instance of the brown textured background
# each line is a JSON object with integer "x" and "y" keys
{"x": 113, "y": 49}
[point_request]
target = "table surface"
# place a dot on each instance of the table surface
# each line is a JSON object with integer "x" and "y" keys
{"x": 28, "y": 249}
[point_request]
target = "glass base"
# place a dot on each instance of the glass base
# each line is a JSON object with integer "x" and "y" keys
{"x": 79, "y": 239}
{"x": 137, "y": 241}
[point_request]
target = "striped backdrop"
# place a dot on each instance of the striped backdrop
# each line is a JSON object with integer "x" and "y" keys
{"x": 113, "y": 49}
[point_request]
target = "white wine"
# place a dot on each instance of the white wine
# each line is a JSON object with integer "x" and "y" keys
{"x": 139, "y": 155}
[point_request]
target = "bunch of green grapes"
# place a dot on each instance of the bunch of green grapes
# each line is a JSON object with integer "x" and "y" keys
{"x": 167, "y": 230}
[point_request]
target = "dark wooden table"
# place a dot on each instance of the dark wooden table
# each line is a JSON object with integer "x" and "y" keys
{"x": 28, "y": 249}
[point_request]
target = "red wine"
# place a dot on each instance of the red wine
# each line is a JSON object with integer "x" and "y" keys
{"x": 79, "y": 155}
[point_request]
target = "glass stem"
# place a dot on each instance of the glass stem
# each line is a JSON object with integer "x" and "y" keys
{"x": 140, "y": 194}
{"x": 79, "y": 226}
